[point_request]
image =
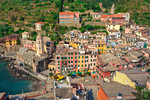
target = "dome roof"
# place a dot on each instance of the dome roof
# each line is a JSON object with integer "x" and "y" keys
{"x": 39, "y": 37}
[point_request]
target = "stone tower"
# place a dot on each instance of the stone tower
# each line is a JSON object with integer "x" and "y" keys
{"x": 113, "y": 9}
{"x": 39, "y": 45}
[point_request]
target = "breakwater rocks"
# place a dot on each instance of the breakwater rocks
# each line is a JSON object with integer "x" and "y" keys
{"x": 22, "y": 75}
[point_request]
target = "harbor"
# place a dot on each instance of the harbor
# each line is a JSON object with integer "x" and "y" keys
{"x": 17, "y": 80}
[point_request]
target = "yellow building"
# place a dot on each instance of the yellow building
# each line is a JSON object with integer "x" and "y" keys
{"x": 81, "y": 61}
{"x": 12, "y": 41}
{"x": 108, "y": 48}
{"x": 51, "y": 65}
{"x": 123, "y": 79}
{"x": 113, "y": 26}
{"x": 7, "y": 41}
{"x": 138, "y": 34}
{"x": 101, "y": 46}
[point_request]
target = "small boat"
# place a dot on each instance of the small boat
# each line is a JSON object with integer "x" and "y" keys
{"x": 3, "y": 64}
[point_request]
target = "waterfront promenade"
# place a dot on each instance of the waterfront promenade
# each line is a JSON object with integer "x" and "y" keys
{"x": 36, "y": 75}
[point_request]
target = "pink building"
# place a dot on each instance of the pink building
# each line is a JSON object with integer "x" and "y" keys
{"x": 128, "y": 31}
{"x": 117, "y": 19}
{"x": 29, "y": 44}
{"x": 69, "y": 17}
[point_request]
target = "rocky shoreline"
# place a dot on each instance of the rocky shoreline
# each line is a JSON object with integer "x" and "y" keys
{"x": 21, "y": 75}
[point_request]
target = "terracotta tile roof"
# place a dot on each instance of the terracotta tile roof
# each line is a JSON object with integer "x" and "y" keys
{"x": 66, "y": 13}
{"x": 40, "y": 22}
{"x": 116, "y": 15}
{"x": 7, "y": 39}
{"x": 13, "y": 38}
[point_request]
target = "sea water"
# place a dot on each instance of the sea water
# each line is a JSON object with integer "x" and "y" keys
{"x": 10, "y": 84}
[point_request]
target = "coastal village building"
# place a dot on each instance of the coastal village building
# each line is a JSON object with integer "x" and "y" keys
{"x": 113, "y": 9}
{"x": 26, "y": 35}
{"x": 69, "y": 17}
{"x": 117, "y": 19}
{"x": 47, "y": 43}
{"x": 126, "y": 15}
{"x": 114, "y": 91}
{"x": 39, "y": 25}
{"x": 131, "y": 77}
{"x": 76, "y": 59}
{"x": 11, "y": 41}
{"x": 113, "y": 26}
{"x": 37, "y": 60}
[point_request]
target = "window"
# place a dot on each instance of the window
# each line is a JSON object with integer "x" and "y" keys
{"x": 94, "y": 64}
{"x": 68, "y": 15}
{"x": 91, "y": 60}
{"x": 82, "y": 61}
{"x": 102, "y": 49}
{"x": 71, "y": 57}
{"x": 102, "y": 45}
{"x": 75, "y": 53}
{"x": 98, "y": 45}
{"x": 65, "y": 65}
{"x": 85, "y": 65}
{"x": 82, "y": 56}
{"x": 79, "y": 56}
{"x": 58, "y": 67}
{"x": 91, "y": 64}
{"x": 71, "y": 61}
{"x": 75, "y": 57}
{"x": 117, "y": 66}
{"x": 75, "y": 65}
{"x": 63, "y": 15}
{"x": 78, "y": 65}
{"x": 87, "y": 60}
{"x": 58, "y": 61}
{"x": 68, "y": 53}
{"x": 76, "y": 61}
{"x": 71, "y": 53}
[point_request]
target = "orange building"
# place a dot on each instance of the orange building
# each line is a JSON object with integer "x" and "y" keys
{"x": 115, "y": 91}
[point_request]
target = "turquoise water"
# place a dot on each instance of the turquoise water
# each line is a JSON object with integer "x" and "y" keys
{"x": 10, "y": 84}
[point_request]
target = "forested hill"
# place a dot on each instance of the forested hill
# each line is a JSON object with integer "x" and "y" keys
{"x": 139, "y": 9}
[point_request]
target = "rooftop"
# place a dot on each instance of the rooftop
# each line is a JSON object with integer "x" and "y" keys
{"x": 107, "y": 57}
{"x": 25, "y": 33}
{"x": 40, "y": 22}
{"x": 73, "y": 50}
{"x": 111, "y": 16}
{"x": 64, "y": 93}
{"x": 113, "y": 30}
{"x": 131, "y": 71}
{"x": 109, "y": 67}
{"x": 140, "y": 78}
{"x": 1, "y": 94}
{"x": 112, "y": 89}
{"x": 135, "y": 53}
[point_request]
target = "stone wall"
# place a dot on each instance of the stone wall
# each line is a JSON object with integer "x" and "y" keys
{"x": 96, "y": 23}
{"x": 77, "y": 25}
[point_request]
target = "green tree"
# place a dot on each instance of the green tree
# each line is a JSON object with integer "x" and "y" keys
{"x": 50, "y": 74}
{"x": 70, "y": 75}
{"x": 88, "y": 73}
{"x": 142, "y": 93}
{"x": 79, "y": 74}
{"x": 22, "y": 19}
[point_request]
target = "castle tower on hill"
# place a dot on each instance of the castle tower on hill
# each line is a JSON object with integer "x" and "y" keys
{"x": 39, "y": 45}
{"x": 113, "y": 9}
